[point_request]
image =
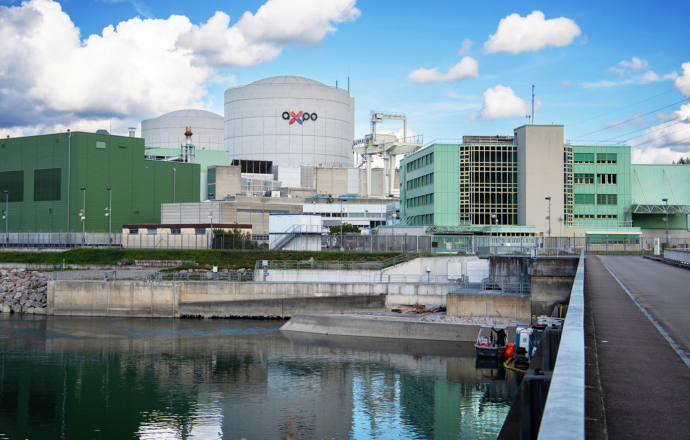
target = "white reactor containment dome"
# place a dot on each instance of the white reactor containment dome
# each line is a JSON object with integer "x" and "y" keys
{"x": 167, "y": 131}
{"x": 290, "y": 121}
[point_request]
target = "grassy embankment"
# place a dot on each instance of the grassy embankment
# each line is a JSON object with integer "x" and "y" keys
{"x": 224, "y": 259}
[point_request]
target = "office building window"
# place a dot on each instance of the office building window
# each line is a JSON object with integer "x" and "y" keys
{"x": 583, "y": 199}
{"x": 583, "y": 158}
{"x": 606, "y": 158}
{"x": 607, "y": 199}
{"x": 607, "y": 179}
{"x": 584, "y": 179}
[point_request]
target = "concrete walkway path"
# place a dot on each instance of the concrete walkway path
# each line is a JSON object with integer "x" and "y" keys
{"x": 645, "y": 385}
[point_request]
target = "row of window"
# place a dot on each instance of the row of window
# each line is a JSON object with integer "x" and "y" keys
{"x": 598, "y": 216}
{"x": 421, "y": 162}
{"x": 173, "y": 231}
{"x": 427, "y": 199}
{"x": 47, "y": 185}
{"x": 601, "y": 199}
{"x": 602, "y": 179}
{"x": 426, "y": 219}
{"x": 604, "y": 158}
{"x": 425, "y": 180}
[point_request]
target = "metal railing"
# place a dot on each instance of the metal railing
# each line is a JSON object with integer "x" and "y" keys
{"x": 377, "y": 243}
{"x": 677, "y": 255}
{"x": 153, "y": 276}
{"x": 416, "y": 279}
{"x": 579, "y": 223}
{"x": 564, "y": 410}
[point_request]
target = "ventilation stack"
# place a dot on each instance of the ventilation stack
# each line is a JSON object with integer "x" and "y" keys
{"x": 132, "y": 131}
{"x": 188, "y": 151}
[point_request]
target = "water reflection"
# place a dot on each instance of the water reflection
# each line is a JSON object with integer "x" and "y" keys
{"x": 79, "y": 378}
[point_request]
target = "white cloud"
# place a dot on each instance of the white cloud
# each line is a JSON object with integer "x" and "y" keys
{"x": 468, "y": 67}
{"x": 260, "y": 37}
{"x": 566, "y": 84}
{"x": 502, "y": 102}
{"x": 650, "y": 76}
{"x": 140, "y": 67}
{"x": 683, "y": 82}
{"x": 517, "y": 34}
{"x": 666, "y": 142}
{"x": 639, "y": 65}
{"x": 627, "y": 66}
{"x": 465, "y": 47}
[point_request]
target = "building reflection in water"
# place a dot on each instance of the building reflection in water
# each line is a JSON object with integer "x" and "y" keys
{"x": 78, "y": 378}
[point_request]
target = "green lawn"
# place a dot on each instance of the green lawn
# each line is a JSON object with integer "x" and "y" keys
{"x": 224, "y": 259}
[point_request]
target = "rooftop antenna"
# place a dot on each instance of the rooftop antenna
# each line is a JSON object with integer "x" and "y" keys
{"x": 532, "y": 104}
{"x": 348, "y": 84}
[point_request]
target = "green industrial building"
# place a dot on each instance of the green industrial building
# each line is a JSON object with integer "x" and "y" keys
{"x": 507, "y": 184}
{"x": 44, "y": 176}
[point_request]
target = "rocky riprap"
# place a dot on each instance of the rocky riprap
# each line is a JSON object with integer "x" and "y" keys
{"x": 23, "y": 292}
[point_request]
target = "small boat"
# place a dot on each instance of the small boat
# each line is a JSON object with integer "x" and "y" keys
{"x": 491, "y": 342}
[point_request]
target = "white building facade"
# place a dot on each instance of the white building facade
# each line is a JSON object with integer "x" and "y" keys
{"x": 290, "y": 121}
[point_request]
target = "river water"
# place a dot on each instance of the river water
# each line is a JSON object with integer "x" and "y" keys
{"x": 110, "y": 378}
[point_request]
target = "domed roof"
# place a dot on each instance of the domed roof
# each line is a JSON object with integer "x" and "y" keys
{"x": 286, "y": 80}
{"x": 191, "y": 113}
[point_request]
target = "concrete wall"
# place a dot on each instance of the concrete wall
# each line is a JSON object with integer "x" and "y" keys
{"x": 164, "y": 299}
{"x": 540, "y": 175}
{"x": 551, "y": 279}
{"x": 335, "y": 325}
{"x": 491, "y": 305}
{"x": 228, "y": 181}
{"x": 549, "y": 291}
{"x": 283, "y": 307}
{"x": 438, "y": 266}
{"x": 416, "y": 268}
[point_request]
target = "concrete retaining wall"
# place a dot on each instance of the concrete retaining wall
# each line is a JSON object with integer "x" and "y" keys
{"x": 283, "y": 308}
{"x": 549, "y": 291}
{"x": 352, "y": 326}
{"x": 437, "y": 265}
{"x": 498, "y": 306}
{"x": 164, "y": 299}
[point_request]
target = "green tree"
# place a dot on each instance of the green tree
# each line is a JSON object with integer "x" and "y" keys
{"x": 346, "y": 228}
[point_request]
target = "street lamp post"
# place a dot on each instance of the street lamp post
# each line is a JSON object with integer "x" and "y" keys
{"x": 6, "y": 217}
{"x": 549, "y": 216}
{"x": 666, "y": 201}
{"x": 83, "y": 219}
{"x": 341, "y": 224}
{"x": 210, "y": 217}
{"x": 109, "y": 211}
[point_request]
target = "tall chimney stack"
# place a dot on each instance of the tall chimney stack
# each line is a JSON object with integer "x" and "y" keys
{"x": 132, "y": 131}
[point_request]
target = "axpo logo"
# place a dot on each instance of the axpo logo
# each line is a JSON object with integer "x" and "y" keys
{"x": 299, "y": 117}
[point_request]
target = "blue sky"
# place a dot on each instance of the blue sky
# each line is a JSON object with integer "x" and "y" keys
{"x": 577, "y": 78}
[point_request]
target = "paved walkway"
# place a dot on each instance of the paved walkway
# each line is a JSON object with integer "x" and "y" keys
{"x": 644, "y": 383}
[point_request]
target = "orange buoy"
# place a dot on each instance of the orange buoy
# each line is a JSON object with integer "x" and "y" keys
{"x": 511, "y": 345}
{"x": 509, "y": 352}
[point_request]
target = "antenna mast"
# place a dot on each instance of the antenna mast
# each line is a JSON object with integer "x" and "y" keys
{"x": 532, "y": 104}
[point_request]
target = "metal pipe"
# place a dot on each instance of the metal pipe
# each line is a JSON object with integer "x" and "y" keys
{"x": 7, "y": 217}
{"x": 83, "y": 220}
{"x": 110, "y": 217}
{"x": 69, "y": 170}
{"x": 174, "y": 181}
